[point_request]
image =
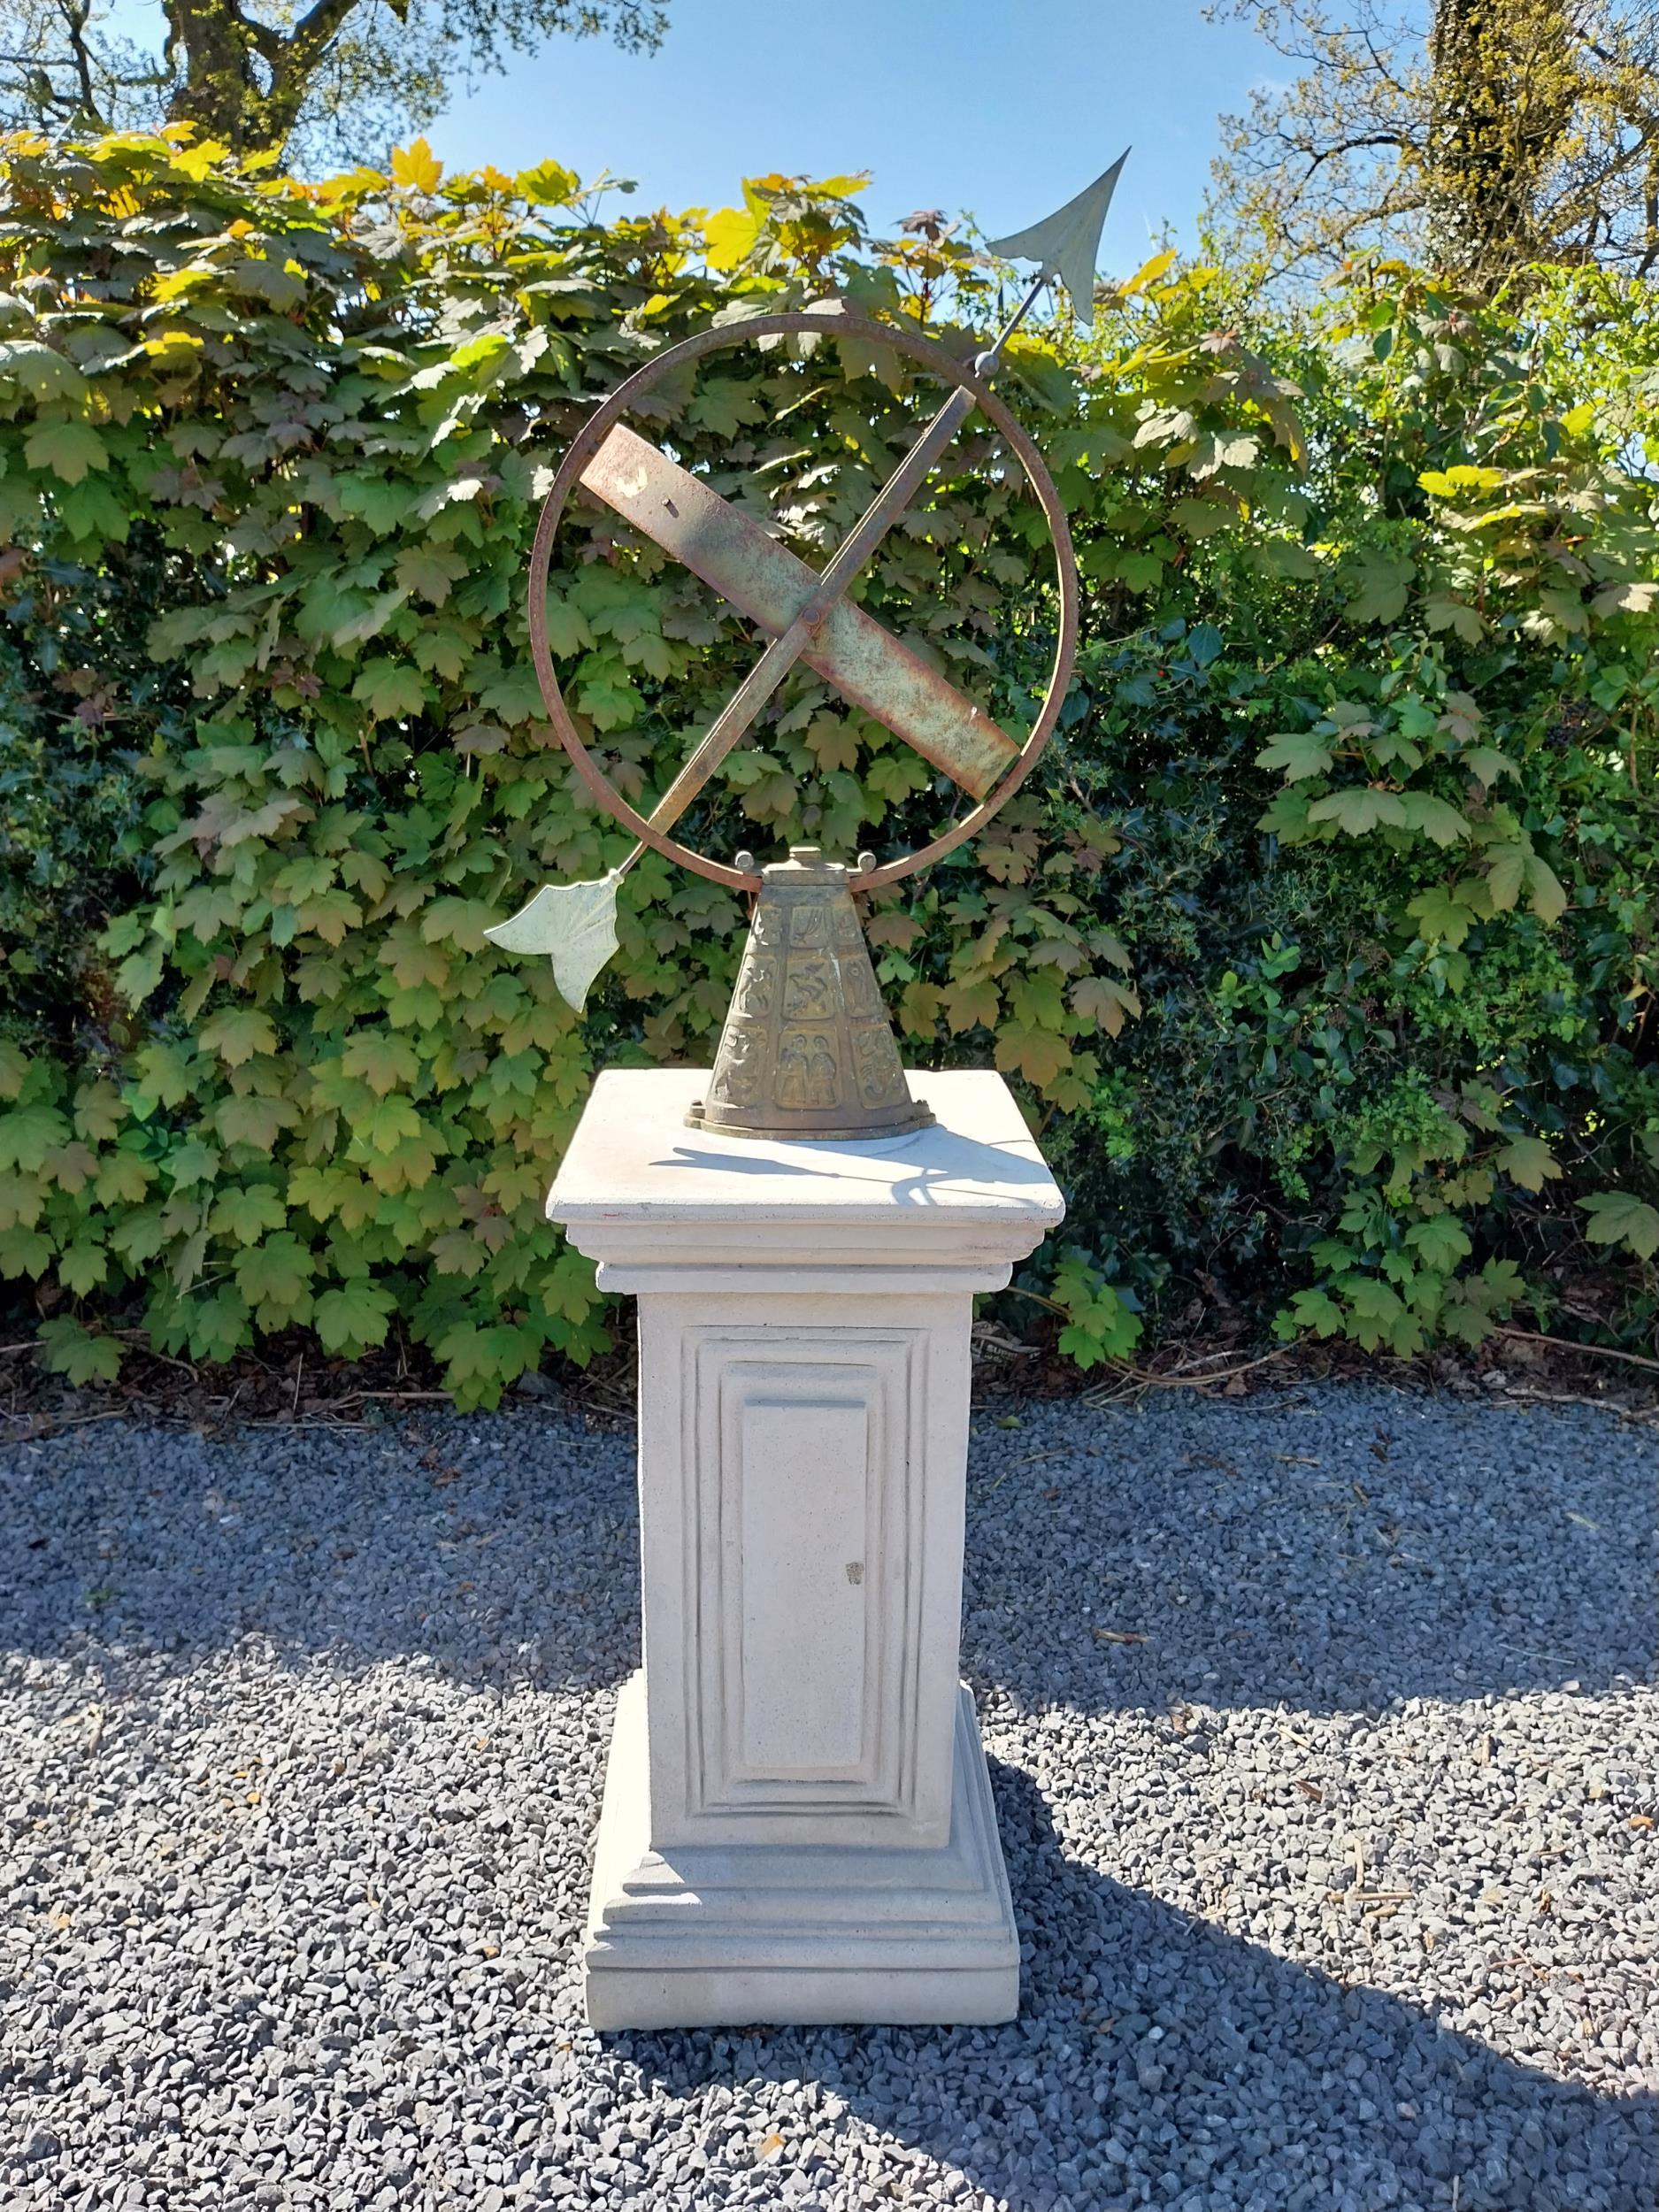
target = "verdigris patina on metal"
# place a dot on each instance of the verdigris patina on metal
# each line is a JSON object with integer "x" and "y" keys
{"x": 807, "y": 1050}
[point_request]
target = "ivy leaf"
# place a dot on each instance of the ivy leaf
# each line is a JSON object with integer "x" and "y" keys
{"x": 71, "y": 1351}
{"x": 238, "y": 1034}
{"x": 1617, "y": 1216}
{"x": 354, "y": 1318}
{"x": 1382, "y": 579}
{"x": 1441, "y": 916}
{"x": 1440, "y": 1241}
{"x": 390, "y": 687}
{"x": 1433, "y": 818}
{"x": 574, "y": 924}
{"x": 1529, "y": 1162}
{"x": 275, "y": 1276}
{"x": 247, "y": 1213}
{"x": 1359, "y": 806}
{"x": 1299, "y": 753}
{"x": 69, "y": 450}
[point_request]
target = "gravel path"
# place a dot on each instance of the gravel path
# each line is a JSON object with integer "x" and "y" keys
{"x": 1325, "y": 1748}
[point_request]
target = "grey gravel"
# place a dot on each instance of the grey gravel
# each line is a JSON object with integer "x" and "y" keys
{"x": 1339, "y": 1889}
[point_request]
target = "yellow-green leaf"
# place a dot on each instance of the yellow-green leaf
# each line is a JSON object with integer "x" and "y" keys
{"x": 417, "y": 166}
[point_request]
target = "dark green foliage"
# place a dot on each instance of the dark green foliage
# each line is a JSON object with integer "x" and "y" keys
{"x": 1320, "y": 946}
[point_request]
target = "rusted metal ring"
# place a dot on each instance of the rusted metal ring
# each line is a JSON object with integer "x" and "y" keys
{"x": 929, "y": 355}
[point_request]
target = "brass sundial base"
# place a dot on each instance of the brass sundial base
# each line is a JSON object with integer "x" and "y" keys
{"x": 807, "y": 1050}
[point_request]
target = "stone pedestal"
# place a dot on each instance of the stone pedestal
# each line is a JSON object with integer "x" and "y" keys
{"x": 797, "y": 1822}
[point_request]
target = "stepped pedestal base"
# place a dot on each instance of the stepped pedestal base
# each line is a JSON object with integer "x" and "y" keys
{"x": 701, "y": 1936}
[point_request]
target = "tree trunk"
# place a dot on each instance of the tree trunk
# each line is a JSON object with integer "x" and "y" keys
{"x": 220, "y": 91}
{"x": 244, "y": 82}
{"x": 1505, "y": 82}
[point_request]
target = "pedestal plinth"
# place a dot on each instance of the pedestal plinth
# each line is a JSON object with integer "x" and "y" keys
{"x": 797, "y": 1823}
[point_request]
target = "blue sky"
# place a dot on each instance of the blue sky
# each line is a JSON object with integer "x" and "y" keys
{"x": 1003, "y": 107}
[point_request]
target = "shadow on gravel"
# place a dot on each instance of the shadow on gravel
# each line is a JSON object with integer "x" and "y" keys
{"x": 1258, "y": 1554}
{"x": 1158, "y": 2059}
{"x": 1265, "y": 1553}
{"x": 503, "y": 1547}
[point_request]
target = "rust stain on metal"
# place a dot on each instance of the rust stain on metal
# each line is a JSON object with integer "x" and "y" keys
{"x": 733, "y": 554}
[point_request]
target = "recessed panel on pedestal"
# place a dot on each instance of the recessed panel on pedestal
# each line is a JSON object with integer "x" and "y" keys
{"x": 797, "y": 1603}
{"x": 805, "y": 1500}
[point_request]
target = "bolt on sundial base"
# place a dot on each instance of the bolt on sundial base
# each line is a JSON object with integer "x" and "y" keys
{"x": 807, "y": 1050}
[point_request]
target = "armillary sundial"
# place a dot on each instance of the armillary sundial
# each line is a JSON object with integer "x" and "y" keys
{"x": 798, "y": 1823}
{"x": 807, "y": 1050}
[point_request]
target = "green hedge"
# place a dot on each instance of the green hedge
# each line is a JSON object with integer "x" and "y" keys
{"x": 1320, "y": 947}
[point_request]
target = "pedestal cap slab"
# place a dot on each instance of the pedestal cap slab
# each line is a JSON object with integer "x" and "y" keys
{"x": 661, "y": 1206}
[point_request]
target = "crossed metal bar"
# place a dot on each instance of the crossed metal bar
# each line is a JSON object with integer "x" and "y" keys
{"x": 808, "y": 612}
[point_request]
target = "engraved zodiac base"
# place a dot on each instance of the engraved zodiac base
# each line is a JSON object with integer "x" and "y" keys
{"x": 726, "y": 1935}
{"x": 797, "y": 1822}
{"x": 807, "y": 1050}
